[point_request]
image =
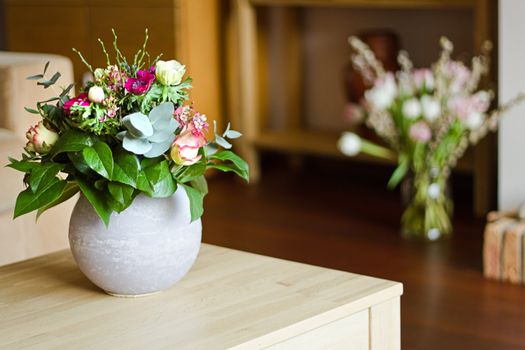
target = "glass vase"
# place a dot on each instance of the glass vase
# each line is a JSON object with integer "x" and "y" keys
{"x": 427, "y": 205}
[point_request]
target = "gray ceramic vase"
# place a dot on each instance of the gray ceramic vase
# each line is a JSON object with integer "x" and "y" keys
{"x": 147, "y": 248}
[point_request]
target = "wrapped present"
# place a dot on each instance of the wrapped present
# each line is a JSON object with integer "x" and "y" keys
{"x": 504, "y": 239}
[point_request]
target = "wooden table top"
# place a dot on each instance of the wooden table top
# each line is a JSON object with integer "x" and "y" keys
{"x": 229, "y": 298}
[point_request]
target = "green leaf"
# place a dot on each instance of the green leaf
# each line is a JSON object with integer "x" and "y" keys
{"x": 400, "y": 172}
{"x": 31, "y": 110}
{"x": 69, "y": 191}
{"x": 161, "y": 180}
{"x": 99, "y": 158}
{"x": 126, "y": 168}
{"x": 123, "y": 194}
{"x": 196, "y": 202}
{"x": 77, "y": 159}
{"x": 27, "y": 201}
{"x": 143, "y": 184}
{"x": 234, "y": 163}
{"x": 72, "y": 141}
{"x": 96, "y": 198}
{"x": 22, "y": 165}
{"x": 200, "y": 184}
{"x": 42, "y": 175}
{"x": 192, "y": 172}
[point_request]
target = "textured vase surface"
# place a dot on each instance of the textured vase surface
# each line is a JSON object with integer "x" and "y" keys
{"x": 147, "y": 248}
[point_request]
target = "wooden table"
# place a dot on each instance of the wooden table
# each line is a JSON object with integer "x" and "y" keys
{"x": 230, "y": 299}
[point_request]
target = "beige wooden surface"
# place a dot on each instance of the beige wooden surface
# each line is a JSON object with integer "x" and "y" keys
{"x": 229, "y": 299}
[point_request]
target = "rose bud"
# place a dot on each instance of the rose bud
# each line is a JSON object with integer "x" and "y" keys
{"x": 96, "y": 94}
{"x": 41, "y": 139}
{"x": 185, "y": 148}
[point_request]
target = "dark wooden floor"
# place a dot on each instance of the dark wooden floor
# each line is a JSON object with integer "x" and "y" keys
{"x": 341, "y": 216}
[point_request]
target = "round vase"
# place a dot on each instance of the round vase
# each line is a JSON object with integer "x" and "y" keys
{"x": 145, "y": 249}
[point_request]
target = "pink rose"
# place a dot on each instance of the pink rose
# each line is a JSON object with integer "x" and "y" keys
{"x": 420, "y": 132}
{"x": 185, "y": 148}
{"x": 80, "y": 100}
{"x": 40, "y": 139}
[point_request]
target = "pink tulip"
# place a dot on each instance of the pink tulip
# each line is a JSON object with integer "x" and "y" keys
{"x": 420, "y": 132}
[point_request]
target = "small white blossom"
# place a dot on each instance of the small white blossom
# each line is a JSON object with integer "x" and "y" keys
{"x": 383, "y": 93}
{"x": 433, "y": 234}
{"x": 434, "y": 190}
{"x": 431, "y": 108}
{"x": 474, "y": 120}
{"x": 411, "y": 108}
{"x": 350, "y": 144}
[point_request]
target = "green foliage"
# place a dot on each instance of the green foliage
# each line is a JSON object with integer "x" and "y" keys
{"x": 230, "y": 162}
{"x": 196, "y": 202}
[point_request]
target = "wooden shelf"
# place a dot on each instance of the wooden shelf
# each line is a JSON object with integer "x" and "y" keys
{"x": 249, "y": 67}
{"x": 384, "y": 4}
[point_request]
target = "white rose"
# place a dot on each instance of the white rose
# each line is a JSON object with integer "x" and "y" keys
{"x": 169, "y": 72}
{"x": 411, "y": 108}
{"x": 96, "y": 94}
{"x": 383, "y": 93}
{"x": 350, "y": 144}
{"x": 431, "y": 108}
{"x": 474, "y": 120}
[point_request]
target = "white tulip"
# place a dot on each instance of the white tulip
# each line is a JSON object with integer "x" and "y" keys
{"x": 383, "y": 93}
{"x": 431, "y": 108}
{"x": 474, "y": 120}
{"x": 350, "y": 144}
{"x": 169, "y": 72}
{"x": 411, "y": 108}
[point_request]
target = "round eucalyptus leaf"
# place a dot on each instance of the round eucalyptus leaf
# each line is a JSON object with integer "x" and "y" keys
{"x": 135, "y": 145}
{"x": 138, "y": 125}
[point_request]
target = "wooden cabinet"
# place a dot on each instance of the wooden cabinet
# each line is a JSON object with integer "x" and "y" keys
{"x": 187, "y": 30}
{"x": 249, "y": 45}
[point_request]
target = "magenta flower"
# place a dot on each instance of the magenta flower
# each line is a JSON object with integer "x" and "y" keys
{"x": 80, "y": 100}
{"x": 140, "y": 84}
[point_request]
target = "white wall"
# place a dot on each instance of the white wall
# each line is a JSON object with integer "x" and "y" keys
{"x": 511, "y": 184}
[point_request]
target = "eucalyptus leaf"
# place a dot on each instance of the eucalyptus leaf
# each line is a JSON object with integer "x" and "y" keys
{"x": 232, "y": 134}
{"x": 35, "y": 77}
{"x": 222, "y": 142}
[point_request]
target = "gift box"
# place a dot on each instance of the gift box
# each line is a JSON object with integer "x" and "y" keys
{"x": 503, "y": 248}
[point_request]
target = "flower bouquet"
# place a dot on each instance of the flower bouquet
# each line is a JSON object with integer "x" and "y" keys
{"x": 129, "y": 131}
{"x": 129, "y": 135}
{"x": 427, "y": 118}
